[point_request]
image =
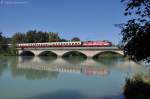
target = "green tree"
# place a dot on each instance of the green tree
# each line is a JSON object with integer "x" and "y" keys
{"x": 34, "y": 36}
{"x": 31, "y": 36}
{"x": 3, "y": 44}
{"x": 63, "y": 40}
{"x": 54, "y": 37}
{"x": 75, "y": 39}
{"x": 41, "y": 37}
{"x": 136, "y": 32}
{"x": 19, "y": 38}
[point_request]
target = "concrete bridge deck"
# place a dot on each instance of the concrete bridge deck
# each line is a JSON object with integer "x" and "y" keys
{"x": 60, "y": 51}
{"x": 74, "y": 48}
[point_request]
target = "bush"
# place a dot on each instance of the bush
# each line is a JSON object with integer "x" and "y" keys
{"x": 136, "y": 88}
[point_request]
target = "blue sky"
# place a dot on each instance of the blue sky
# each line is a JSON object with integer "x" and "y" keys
{"x": 86, "y": 19}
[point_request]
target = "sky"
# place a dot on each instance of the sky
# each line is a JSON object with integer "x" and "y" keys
{"x": 86, "y": 19}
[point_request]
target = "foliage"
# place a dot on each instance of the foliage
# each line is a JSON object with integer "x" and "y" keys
{"x": 3, "y": 44}
{"x": 140, "y": 8}
{"x": 75, "y": 39}
{"x": 63, "y": 40}
{"x": 136, "y": 88}
{"x": 137, "y": 40}
{"x": 53, "y": 37}
{"x": 136, "y": 32}
{"x": 18, "y": 38}
{"x": 34, "y": 36}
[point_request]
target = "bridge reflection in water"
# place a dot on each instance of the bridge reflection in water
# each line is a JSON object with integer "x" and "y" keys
{"x": 88, "y": 66}
{"x": 61, "y": 65}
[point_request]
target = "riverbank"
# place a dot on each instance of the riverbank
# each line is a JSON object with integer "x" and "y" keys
{"x": 137, "y": 87}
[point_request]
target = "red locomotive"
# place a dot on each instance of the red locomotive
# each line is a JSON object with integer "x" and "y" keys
{"x": 97, "y": 44}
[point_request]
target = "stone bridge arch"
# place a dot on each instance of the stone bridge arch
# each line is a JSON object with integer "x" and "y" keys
{"x": 47, "y": 53}
{"x": 26, "y": 52}
{"x": 115, "y": 52}
{"x": 60, "y": 53}
{"x": 81, "y": 53}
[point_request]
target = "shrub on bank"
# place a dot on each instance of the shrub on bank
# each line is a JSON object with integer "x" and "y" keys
{"x": 137, "y": 88}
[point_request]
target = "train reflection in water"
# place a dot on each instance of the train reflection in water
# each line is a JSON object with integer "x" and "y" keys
{"x": 60, "y": 65}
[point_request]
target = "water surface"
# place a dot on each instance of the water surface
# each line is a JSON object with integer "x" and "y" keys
{"x": 49, "y": 78}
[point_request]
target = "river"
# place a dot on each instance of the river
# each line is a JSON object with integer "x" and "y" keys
{"x": 58, "y": 78}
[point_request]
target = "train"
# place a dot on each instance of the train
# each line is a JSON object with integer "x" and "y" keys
{"x": 66, "y": 44}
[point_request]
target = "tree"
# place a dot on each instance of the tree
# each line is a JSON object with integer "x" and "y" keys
{"x": 19, "y": 38}
{"x": 54, "y": 37}
{"x": 31, "y": 36}
{"x": 34, "y": 36}
{"x": 3, "y": 44}
{"x": 41, "y": 37}
{"x": 136, "y": 32}
{"x": 63, "y": 40}
{"x": 75, "y": 39}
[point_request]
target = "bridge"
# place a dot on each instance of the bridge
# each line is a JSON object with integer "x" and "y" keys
{"x": 60, "y": 51}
